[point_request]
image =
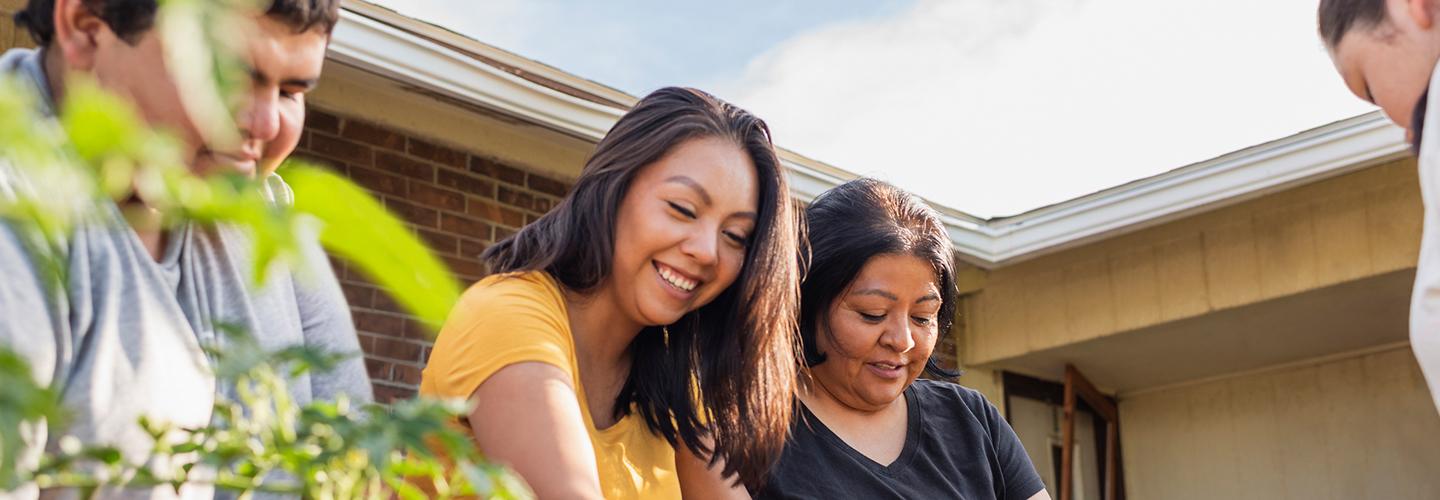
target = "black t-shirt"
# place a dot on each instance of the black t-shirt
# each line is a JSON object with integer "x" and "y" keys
{"x": 956, "y": 446}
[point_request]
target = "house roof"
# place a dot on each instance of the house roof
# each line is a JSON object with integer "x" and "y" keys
{"x": 438, "y": 60}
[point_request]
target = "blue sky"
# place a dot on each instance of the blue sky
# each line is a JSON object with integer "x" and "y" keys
{"x": 993, "y": 107}
{"x": 636, "y": 45}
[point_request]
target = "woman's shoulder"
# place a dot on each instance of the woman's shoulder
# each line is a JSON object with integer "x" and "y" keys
{"x": 530, "y": 288}
{"x": 501, "y": 320}
{"x": 950, "y": 397}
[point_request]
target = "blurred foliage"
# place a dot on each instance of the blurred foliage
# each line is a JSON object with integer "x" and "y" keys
{"x": 22, "y": 402}
{"x": 264, "y": 442}
{"x": 66, "y": 170}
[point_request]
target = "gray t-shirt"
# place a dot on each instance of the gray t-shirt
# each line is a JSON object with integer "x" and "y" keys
{"x": 122, "y": 338}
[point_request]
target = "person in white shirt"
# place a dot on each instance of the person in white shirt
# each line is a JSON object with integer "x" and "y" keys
{"x": 1386, "y": 51}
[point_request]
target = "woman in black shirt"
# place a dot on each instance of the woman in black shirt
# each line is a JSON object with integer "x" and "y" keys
{"x": 879, "y": 291}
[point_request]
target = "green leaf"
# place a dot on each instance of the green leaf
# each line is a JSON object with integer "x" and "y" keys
{"x": 358, "y": 229}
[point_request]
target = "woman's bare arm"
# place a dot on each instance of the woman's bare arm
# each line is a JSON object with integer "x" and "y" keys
{"x": 526, "y": 416}
{"x": 698, "y": 481}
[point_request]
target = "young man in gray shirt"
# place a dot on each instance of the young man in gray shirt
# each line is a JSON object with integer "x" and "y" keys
{"x": 122, "y": 338}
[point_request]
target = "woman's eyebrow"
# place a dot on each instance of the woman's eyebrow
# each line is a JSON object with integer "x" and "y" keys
{"x": 690, "y": 183}
{"x": 876, "y": 292}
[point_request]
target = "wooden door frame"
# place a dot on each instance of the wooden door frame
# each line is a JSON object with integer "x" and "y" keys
{"x": 1077, "y": 388}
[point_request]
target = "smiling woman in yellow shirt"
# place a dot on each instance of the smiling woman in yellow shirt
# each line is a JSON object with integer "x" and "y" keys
{"x": 669, "y": 271}
{"x": 534, "y": 327}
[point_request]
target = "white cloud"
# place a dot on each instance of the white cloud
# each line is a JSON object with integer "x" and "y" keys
{"x": 1000, "y": 106}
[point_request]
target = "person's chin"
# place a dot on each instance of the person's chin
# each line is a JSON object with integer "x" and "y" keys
{"x": 215, "y": 168}
{"x": 883, "y": 397}
{"x": 657, "y": 313}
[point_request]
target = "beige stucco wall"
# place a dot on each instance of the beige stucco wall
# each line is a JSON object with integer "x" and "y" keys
{"x": 9, "y": 36}
{"x": 1360, "y": 427}
{"x": 1361, "y": 224}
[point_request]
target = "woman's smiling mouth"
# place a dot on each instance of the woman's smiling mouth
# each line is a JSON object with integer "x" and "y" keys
{"x": 675, "y": 278}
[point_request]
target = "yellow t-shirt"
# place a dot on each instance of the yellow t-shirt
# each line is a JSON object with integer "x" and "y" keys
{"x": 507, "y": 319}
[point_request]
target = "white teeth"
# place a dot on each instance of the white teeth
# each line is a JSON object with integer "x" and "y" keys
{"x": 675, "y": 279}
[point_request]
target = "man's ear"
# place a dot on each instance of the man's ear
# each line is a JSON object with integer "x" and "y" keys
{"x": 77, "y": 33}
{"x": 1422, "y": 12}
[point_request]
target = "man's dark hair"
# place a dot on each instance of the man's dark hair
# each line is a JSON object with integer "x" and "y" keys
{"x": 131, "y": 18}
{"x": 860, "y": 220}
{"x": 1338, "y": 17}
{"x": 741, "y": 348}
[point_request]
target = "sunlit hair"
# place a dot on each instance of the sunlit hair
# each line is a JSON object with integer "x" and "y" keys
{"x": 741, "y": 348}
{"x": 860, "y": 220}
{"x": 1338, "y": 17}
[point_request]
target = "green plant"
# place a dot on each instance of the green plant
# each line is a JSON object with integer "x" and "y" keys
{"x": 265, "y": 442}
{"x": 98, "y": 150}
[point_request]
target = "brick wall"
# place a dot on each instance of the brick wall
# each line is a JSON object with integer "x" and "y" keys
{"x": 456, "y": 201}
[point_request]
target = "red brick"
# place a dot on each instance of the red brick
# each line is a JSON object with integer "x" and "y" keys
{"x": 407, "y": 374}
{"x": 530, "y": 219}
{"x": 367, "y": 343}
{"x": 387, "y": 394}
{"x": 378, "y": 182}
{"x": 385, "y": 302}
{"x": 356, "y": 295}
{"x": 548, "y": 186}
{"x": 495, "y": 213}
{"x": 493, "y": 169}
{"x": 303, "y": 156}
{"x": 542, "y": 204}
{"x": 320, "y": 120}
{"x": 337, "y": 266}
{"x": 416, "y": 214}
{"x": 431, "y": 196}
{"x": 404, "y": 350}
{"x": 350, "y": 152}
{"x": 439, "y": 242}
{"x": 465, "y": 183}
{"x": 377, "y": 369}
{"x": 381, "y": 323}
{"x": 436, "y": 153}
{"x": 502, "y": 233}
{"x": 515, "y": 198}
{"x": 408, "y": 167}
{"x": 471, "y": 248}
{"x": 372, "y": 135}
{"x": 469, "y": 228}
{"x": 468, "y": 267}
{"x": 416, "y": 329}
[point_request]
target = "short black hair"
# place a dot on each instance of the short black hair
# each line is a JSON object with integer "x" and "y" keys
{"x": 859, "y": 220}
{"x": 131, "y": 18}
{"x": 1339, "y": 17}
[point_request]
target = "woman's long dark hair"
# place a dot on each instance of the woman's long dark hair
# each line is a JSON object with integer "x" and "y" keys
{"x": 740, "y": 348}
{"x": 852, "y": 223}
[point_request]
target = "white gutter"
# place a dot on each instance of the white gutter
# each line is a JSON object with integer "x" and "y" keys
{"x": 1331, "y": 150}
{"x": 373, "y": 39}
{"x": 384, "y": 49}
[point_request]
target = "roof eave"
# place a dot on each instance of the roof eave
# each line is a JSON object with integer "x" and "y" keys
{"x": 1323, "y": 152}
{"x": 387, "y": 43}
